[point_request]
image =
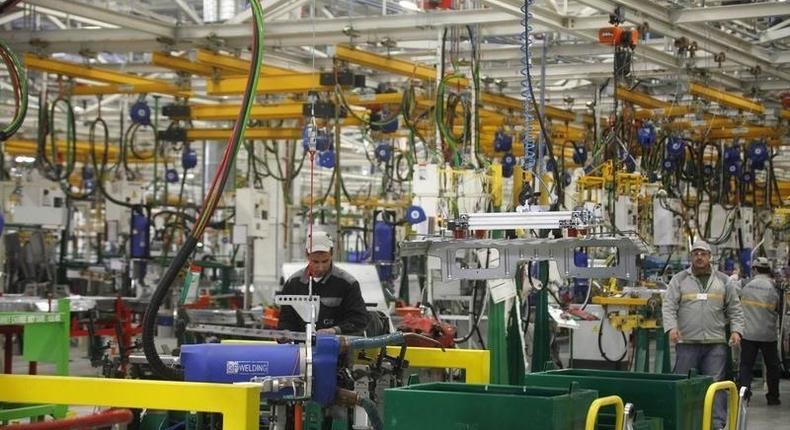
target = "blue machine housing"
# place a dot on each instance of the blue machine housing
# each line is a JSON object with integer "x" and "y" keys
{"x": 384, "y": 248}
{"x": 415, "y": 215}
{"x": 140, "y": 113}
{"x": 140, "y": 239}
{"x": 223, "y": 363}
{"x": 746, "y": 262}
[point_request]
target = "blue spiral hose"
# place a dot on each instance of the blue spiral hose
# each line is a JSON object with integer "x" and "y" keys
{"x": 530, "y": 157}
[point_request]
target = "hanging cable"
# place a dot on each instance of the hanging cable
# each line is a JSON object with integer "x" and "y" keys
{"x": 19, "y": 84}
{"x": 50, "y": 167}
{"x": 210, "y": 203}
{"x": 530, "y": 156}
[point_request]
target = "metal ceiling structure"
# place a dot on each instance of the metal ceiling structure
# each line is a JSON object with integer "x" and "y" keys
{"x": 753, "y": 36}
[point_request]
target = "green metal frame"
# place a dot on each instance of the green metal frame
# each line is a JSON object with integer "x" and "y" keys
{"x": 642, "y": 351}
{"x": 46, "y": 340}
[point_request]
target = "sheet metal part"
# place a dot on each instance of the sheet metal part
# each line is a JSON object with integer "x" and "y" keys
{"x": 512, "y": 252}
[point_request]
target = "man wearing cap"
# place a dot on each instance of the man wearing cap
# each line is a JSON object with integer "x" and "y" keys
{"x": 761, "y": 307}
{"x": 342, "y": 309}
{"x": 698, "y": 306}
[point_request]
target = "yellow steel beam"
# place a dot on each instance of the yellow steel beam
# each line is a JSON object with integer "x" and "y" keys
{"x": 552, "y": 112}
{"x": 250, "y": 133}
{"x": 231, "y": 112}
{"x": 640, "y": 99}
{"x": 475, "y": 362}
{"x": 83, "y": 71}
{"x": 619, "y": 301}
{"x": 238, "y": 403}
{"x": 388, "y": 64}
{"x": 234, "y": 65}
{"x": 374, "y": 99}
{"x": 725, "y": 98}
{"x": 666, "y": 112}
{"x": 417, "y": 71}
{"x": 159, "y": 88}
{"x": 501, "y": 101}
{"x": 292, "y": 83}
{"x": 291, "y": 110}
{"x": 182, "y": 65}
{"x": 741, "y": 133}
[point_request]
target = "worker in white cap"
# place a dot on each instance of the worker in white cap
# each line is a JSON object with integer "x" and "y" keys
{"x": 699, "y": 305}
{"x": 342, "y": 309}
{"x": 761, "y": 306}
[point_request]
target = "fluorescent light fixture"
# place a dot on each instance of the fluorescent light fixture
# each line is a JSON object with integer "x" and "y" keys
{"x": 410, "y": 5}
{"x": 23, "y": 159}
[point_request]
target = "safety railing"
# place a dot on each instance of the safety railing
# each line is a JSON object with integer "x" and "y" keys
{"x": 239, "y": 404}
{"x": 597, "y": 404}
{"x": 732, "y": 410}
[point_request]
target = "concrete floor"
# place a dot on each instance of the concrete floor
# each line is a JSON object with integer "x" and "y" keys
{"x": 764, "y": 417}
{"x": 760, "y": 415}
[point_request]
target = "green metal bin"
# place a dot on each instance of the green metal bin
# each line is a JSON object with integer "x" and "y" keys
{"x": 452, "y": 406}
{"x": 676, "y": 399}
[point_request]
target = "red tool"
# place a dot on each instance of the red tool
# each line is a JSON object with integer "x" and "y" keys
{"x": 431, "y": 327}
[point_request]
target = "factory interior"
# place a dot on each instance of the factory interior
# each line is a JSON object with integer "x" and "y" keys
{"x": 395, "y": 214}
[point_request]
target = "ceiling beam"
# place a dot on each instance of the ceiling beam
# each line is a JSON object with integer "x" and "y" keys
{"x": 559, "y": 23}
{"x": 187, "y": 9}
{"x": 108, "y": 16}
{"x": 727, "y": 13}
{"x": 770, "y": 36}
{"x": 736, "y": 49}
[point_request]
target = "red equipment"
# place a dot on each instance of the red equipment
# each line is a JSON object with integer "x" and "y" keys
{"x": 619, "y": 36}
{"x": 442, "y": 332}
{"x": 436, "y": 4}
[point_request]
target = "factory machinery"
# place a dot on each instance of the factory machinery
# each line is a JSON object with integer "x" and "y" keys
{"x": 502, "y": 229}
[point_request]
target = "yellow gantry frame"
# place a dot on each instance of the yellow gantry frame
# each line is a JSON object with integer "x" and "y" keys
{"x": 184, "y": 65}
{"x": 231, "y": 65}
{"x": 290, "y": 83}
{"x": 250, "y": 133}
{"x": 428, "y": 73}
{"x": 475, "y": 362}
{"x": 725, "y": 98}
{"x": 119, "y": 82}
{"x": 640, "y": 99}
{"x": 291, "y": 110}
{"x": 238, "y": 403}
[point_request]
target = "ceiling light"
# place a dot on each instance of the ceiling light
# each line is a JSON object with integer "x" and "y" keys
{"x": 410, "y": 5}
{"x": 22, "y": 159}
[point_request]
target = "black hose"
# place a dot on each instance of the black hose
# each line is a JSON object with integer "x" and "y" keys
{"x": 396, "y": 338}
{"x": 600, "y": 345}
{"x": 373, "y": 413}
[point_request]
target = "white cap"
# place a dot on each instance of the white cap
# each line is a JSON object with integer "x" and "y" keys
{"x": 321, "y": 242}
{"x": 700, "y": 244}
{"x": 761, "y": 262}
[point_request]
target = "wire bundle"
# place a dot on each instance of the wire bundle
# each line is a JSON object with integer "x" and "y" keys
{"x": 19, "y": 82}
{"x": 209, "y": 204}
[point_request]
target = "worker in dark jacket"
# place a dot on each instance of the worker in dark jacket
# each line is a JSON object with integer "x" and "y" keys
{"x": 342, "y": 309}
{"x": 700, "y": 304}
{"x": 761, "y": 304}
